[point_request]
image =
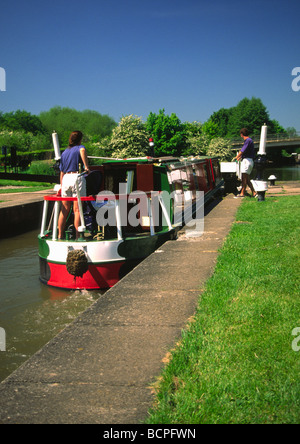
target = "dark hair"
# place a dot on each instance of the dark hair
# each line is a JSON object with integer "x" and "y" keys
{"x": 245, "y": 132}
{"x": 75, "y": 138}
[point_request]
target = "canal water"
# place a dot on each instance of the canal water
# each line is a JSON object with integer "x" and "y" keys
{"x": 31, "y": 313}
{"x": 282, "y": 174}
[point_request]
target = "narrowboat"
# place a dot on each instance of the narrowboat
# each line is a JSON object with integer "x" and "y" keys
{"x": 132, "y": 207}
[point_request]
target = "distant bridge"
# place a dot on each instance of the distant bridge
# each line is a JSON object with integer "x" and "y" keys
{"x": 281, "y": 141}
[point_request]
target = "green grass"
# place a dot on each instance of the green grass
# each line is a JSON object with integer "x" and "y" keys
{"x": 22, "y": 186}
{"x": 235, "y": 362}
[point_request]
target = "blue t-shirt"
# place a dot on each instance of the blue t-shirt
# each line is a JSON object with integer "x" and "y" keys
{"x": 70, "y": 159}
{"x": 248, "y": 149}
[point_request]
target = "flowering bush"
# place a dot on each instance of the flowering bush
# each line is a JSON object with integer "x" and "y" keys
{"x": 129, "y": 138}
{"x": 220, "y": 148}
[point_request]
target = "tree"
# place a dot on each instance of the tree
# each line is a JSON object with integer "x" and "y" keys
{"x": 168, "y": 133}
{"x": 196, "y": 140}
{"x": 249, "y": 113}
{"x": 93, "y": 125}
{"x": 217, "y": 124}
{"x": 276, "y": 128}
{"x": 292, "y": 132}
{"x": 22, "y": 121}
{"x": 129, "y": 138}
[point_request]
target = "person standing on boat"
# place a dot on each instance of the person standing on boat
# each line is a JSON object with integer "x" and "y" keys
{"x": 246, "y": 155}
{"x": 69, "y": 171}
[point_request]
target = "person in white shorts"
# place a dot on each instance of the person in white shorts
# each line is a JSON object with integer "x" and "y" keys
{"x": 246, "y": 155}
{"x": 68, "y": 186}
{"x": 69, "y": 170}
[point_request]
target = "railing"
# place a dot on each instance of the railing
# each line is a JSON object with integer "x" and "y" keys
{"x": 270, "y": 138}
{"x": 104, "y": 197}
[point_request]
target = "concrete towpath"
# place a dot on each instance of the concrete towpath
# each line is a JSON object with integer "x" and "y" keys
{"x": 291, "y": 188}
{"x": 99, "y": 369}
{"x": 21, "y": 211}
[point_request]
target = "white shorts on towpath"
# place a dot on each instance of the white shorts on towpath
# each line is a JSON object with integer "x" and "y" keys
{"x": 247, "y": 166}
{"x": 68, "y": 188}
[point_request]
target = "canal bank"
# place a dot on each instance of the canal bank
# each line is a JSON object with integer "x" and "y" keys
{"x": 99, "y": 369}
{"x": 20, "y": 212}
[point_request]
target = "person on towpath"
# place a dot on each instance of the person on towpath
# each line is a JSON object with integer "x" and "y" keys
{"x": 246, "y": 155}
{"x": 69, "y": 171}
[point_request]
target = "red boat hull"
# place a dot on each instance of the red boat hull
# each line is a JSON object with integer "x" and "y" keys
{"x": 97, "y": 277}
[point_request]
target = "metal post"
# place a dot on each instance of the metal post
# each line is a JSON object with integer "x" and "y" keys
{"x": 150, "y": 214}
{"x": 81, "y": 229}
{"x": 118, "y": 219}
{"x": 55, "y": 220}
{"x": 259, "y": 184}
{"x": 166, "y": 214}
{"x": 44, "y": 219}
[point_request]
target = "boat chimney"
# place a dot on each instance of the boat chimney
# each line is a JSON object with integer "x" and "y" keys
{"x": 56, "y": 145}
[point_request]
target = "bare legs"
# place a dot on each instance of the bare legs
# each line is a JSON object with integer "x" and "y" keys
{"x": 246, "y": 182}
{"x": 65, "y": 210}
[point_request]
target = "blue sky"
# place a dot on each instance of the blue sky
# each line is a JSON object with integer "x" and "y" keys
{"x": 190, "y": 57}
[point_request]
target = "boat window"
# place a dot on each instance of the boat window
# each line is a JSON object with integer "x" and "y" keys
{"x": 216, "y": 167}
{"x": 114, "y": 175}
{"x": 206, "y": 175}
{"x": 185, "y": 180}
{"x": 202, "y": 176}
{"x": 195, "y": 178}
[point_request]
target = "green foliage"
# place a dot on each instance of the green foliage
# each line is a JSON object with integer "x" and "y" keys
{"x": 217, "y": 124}
{"x": 103, "y": 137}
{"x": 42, "y": 167}
{"x": 221, "y": 148}
{"x": 168, "y": 133}
{"x": 24, "y": 141}
{"x": 93, "y": 125}
{"x": 129, "y": 138}
{"x": 291, "y": 131}
{"x": 196, "y": 140}
{"x": 22, "y": 121}
{"x": 249, "y": 113}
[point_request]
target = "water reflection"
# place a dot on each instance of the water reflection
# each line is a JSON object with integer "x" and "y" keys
{"x": 30, "y": 312}
{"x": 282, "y": 174}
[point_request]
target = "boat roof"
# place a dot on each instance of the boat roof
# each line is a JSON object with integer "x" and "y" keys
{"x": 157, "y": 160}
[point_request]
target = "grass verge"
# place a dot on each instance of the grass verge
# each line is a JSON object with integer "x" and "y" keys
{"x": 22, "y": 186}
{"x": 235, "y": 362}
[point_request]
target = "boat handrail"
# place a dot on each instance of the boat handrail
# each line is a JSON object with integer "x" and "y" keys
{"x": 110, "y": 196}
{"x": 104, "y": 197}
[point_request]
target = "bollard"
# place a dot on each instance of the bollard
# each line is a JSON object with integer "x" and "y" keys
{"x": 259, "y": 184}
{"x": 272, "y": 179}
